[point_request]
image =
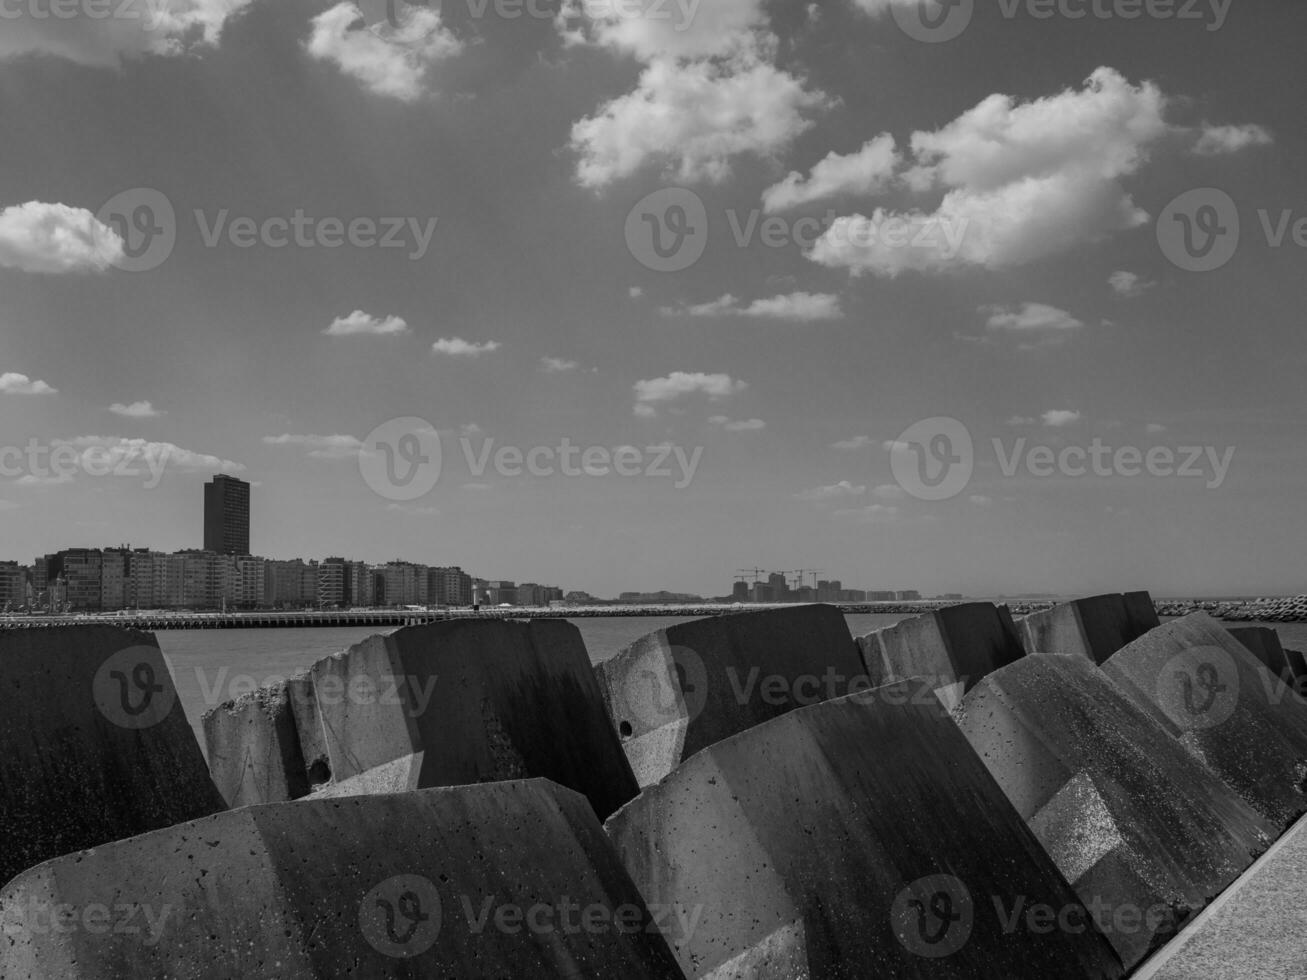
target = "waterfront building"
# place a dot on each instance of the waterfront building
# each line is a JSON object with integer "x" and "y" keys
{"x": 227, "y": 516}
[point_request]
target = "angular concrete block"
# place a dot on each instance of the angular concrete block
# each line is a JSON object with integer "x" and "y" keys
{"x": 681, "y": 689}
{"x": 1264, "y": 644}
{"x": 1205, "y": 688}
{"x": 952, "y": 648}
{"x": 254, "y": 749}
{"x": 1094, "y": 628}
{"x": 470, "y": 702}
{"x": 94, "y": 744}
{"x": 861, "y": 837}
{"x": 1145, "y": 833}
{"x": 513, "y": 879}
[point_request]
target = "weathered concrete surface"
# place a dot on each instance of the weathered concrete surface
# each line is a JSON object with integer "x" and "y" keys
{"x": 468, "y": 702}
{"x": 952, "y": 648}
{"x": 1264, "y": 644}
{"x": 1256, "y": 930}
{"x": 681, "y": 689}
{"x": 476, "y": 881}
{"x": 857, "y": 838}
{"x": 94, "y": 744}
{"x": 1095, "y": 628}
{"x": 254, "y": 749}
{"x": 1205, "y": 688}
{"x": 1145, "y": 833}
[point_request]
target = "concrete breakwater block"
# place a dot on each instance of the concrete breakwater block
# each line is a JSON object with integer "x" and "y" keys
{"x": 254, "y": 749}
{"x": 1094, "y": 628}
{"x": 1205, "y": 688}
{"x": 94, "y": 744}
{"x": 512, "y": 879}
{"x": 681, "y": 689}
{"x": 861, "y": 837}
{"x": 1146, "y": 834}
{"x": 1264, "y": 644}
{"x": 952, "y": 648}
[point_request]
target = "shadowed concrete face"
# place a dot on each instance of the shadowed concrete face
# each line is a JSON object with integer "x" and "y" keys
{"x": 507, "y": 880}
{"x": 1204, "y": 687}
{"x": 254, "y": 749}
{"x": 681, "y": 689}
{"x": 1144, "y": 832}
{"x": 1094, "y": 628}
{"x": 952, "y": 648}
{"x": 861, "y": 837}
{"x": 1264, "y": 644}
{"x": 94, "y": 744}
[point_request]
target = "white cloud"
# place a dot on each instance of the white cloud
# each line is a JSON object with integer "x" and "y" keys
{"x": 1128, "y": 284}
{"x": 458, "y": 347}
{"x": 136, "y": 410}
{"x": 635, "y": 292}
{"x": 1154, "y": 428}
{"x": 388, "y": 60}
{"x": 1029, "y": 317}
{"x": 806, "y": 307}
{"x": 867, "y": 171}
{"x": 857, "y": 442}
{"x": 557, "y": 365}
{"x": 649, "y": 29}
{"x": 170, "y": 28}
{"x": 836, "y": 491}
{"x": 1020, "y": 420}
{"x": 680, "y": 384}
{"x": 98, "y": 452}
{"x": 1221, "y": 140}
{"x": 13, "y": 383}
{"x": 1060, "y": 417}
{"x": 359, "y": 323}
{"x": 1021, "y": 181}
{"x": 319, "y": 447}
{"x": 37, "y": 237}
{"x": 742, "y": 425}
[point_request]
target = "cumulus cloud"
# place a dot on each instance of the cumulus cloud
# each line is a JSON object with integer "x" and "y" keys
{"x": 319, "y": 447}
{"x": 867, "y": 171}
{"x": 458, "y": 347}
{"x": 835, "y": 491}
{"x": 388, "y": 60}
{"x": 557, "y": 365}
{"x": 359, "y": 323}
{"x": 1058, "y": 418}
{"x": 649, "y": 29}
{"x": 56, "y": 238}
{"x": 1128, "y": 285}
{"x": 136, "y": 410}
{"x": 1029, "y": 317}
{"x": 1020, "y": 181}
{"x": 653, "y": 392}
{"x": 855, "y": 443}
{"x": 96, "y": 452}
{"x": 172, "y": 28}
{"x": 807, "y": 307}
{"x": 1220, "y": 140}
{"x": 13, "y": 383}
{"x": 741, "y": 425}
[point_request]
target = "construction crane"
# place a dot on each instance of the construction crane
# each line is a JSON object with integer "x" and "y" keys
{"x": 799, "y": 574}
{"x": 743, "y": 574}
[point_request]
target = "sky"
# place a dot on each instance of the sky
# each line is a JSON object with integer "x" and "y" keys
{"x": 992, "y": 298}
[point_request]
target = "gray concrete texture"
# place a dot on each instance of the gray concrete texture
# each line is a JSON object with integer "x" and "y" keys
{"x": 1094, "y": 628}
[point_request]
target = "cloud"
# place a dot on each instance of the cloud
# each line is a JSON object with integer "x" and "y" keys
{"x": 1020, "y": 181}
{"x": 359, "y": 323}
{"x": 1060, "y": 417}
{"x": 836, "y": 491}
{"x": 806, "y": 307}
{"x": 871, "y": 514}
{"x": 458, "y": 347}
{"x": 387, "y": 60}
{"x": 981, "y": 501}
{"x": 867, "y": 171}
{"x": 635, "y": 292}
{"x": 13, "y": 383}
{"x": 1221, "y": 140}
{"x": 1029, "y": 317}
{"x": 1128, "y": 285}
{"x": 319, "y": 447}
{"x": 172, "y": 28}
{"x": 857, "y": 442}
{"x": 743, "y": 425}
{"x": 1020, "y": 420}
{"x": 56, "y": 238}
{"x": 557, "y": 365}
{"x": 1154, "y": 428}
{"x": 136, "y": 410}
{"x": 100, "y": 452}
{"x": 888, "y": 491}
{"x": 649, "y": 29}
{"x": 680, "y": 384}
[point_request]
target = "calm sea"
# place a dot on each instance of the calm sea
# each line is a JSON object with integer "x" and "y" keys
{"x": 213, "y": 666}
